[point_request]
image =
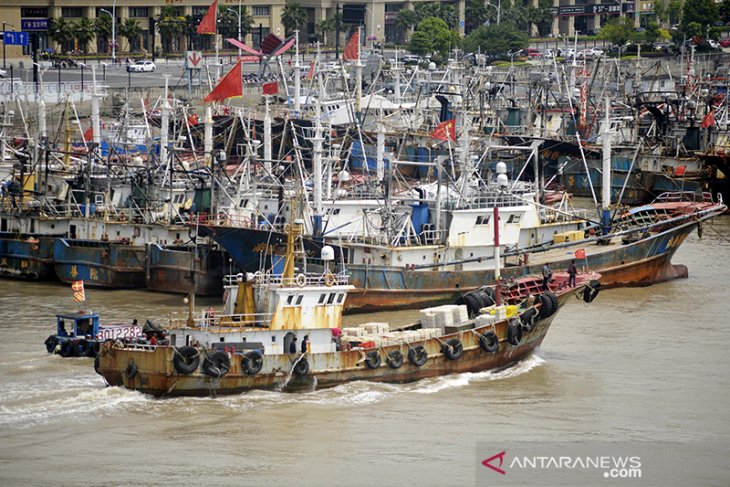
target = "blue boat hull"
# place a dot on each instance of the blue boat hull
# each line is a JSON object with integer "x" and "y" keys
{"x": 26, "y": 257}
{"x": 100, "y": 264}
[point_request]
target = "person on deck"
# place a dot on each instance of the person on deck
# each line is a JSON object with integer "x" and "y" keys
{"x": 305, "y": 342}
{"x": 293, "y": 345}
{"x": 572, "y": 271}
{"x": 547, "y": 274}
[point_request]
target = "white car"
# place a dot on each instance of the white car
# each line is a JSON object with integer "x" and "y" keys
{"x": 3, "y": 73}
{"x": 142, "y": 67}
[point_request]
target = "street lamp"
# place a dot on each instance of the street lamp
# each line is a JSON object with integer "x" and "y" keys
{"x": 238, "y": 14}
{"x": 498, "y": 7}
{"x": 114, "y": 32}
{"x": 4, "y": 41}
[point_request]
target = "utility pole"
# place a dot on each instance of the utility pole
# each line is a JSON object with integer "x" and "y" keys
{"x": 337, "y": 32}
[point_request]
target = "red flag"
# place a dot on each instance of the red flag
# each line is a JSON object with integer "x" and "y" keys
{"x": 709, "y": 120}
{"x": 580, "y": 254}
{"x": 680, "y": 170}
{"x": 310, "y": 73}
{"x": 352, "y": 53}
{"x": 445, "y": 130}
{"x": 207, "y": 24}
{"x": 271, "y": 88}
{"x": 78, "y": 288}
{"x": 229, "y": 86}
{"x": 89, "y": 134}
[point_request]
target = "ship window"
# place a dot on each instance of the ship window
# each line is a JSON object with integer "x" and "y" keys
{"x": 514, "y": 219}
{"x": 299, "y": 299}
{"x": 273, "y": 338}
{"x": 483, "y": 220}
{"x": 331, "y": 299}
{"x": 340, "y": 297}
{"x": 289, "y": 299}
{"x": 322, "y": 298}
{"x": 223, "y": 339}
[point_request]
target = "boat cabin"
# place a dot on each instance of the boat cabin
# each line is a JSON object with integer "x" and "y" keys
{"x": 77, "y": 324}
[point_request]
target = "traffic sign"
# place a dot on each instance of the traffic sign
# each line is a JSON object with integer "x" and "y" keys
{"x": 12, "y": 38}
{"x": 193, "y": 59}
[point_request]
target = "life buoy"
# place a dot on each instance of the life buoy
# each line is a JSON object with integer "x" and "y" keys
{"x": 514, "y": 333}
{"x": 591, "y": 291}
{"x": 453, "y": 349}
{"x": 216, "y": 364}
{"x": 186, "y": 360}
{"x": 394, "y": 359}
{"x": 329, "y": 280}
{"x": 93, "y": 350}
{"x": 51, "y": 343}
{"x": 417, "y": 355}
{"x": 66, "y": 348}
{"x": 528, "y": 319}
{"x": 372, "y": 360}
{"x": 301, "y": 280}
{"x": 548, "y": 305}
{"x": 489, "y": 342}
{"x": 130, "y": 371}
{"x": 301, "y": 368}
{"x": 81, "y": 348}
{"x": 252, "y": 363}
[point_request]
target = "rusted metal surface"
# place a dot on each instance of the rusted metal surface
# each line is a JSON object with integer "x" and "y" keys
{"x": 177, "y": 269}
{"x": 26, "y": 258}
{"x": 154, "y": 372}
{"x": 99, "y": 264}
{"x": 640, "y": 263}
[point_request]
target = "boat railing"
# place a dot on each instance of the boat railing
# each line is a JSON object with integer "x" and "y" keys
{"x": 677, "y": 196}
{"x": 299, "y": 280}
{"x": 210, "y": 321}
{"x": 221, "y": 219}
{"x": 548, "y": 215}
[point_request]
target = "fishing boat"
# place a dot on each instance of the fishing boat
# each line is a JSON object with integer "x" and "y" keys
{"x": 256, "y": 346}
{"x": 80, "y": 334}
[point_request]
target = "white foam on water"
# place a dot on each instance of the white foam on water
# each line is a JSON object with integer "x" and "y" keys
{"x": 68, "y": 400}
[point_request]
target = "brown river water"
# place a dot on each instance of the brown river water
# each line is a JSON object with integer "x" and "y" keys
{"x": 638, "y": 365}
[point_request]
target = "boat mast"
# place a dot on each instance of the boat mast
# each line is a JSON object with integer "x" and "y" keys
{"x": 606, "y": 183}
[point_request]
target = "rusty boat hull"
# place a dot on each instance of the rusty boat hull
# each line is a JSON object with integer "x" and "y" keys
{"x": 641, "y": 262}
{"x": 28, "y": 258}
{"x": 100, "y": 264}
{"x": 150, "y": 369}
{"x": 180, "y": 269}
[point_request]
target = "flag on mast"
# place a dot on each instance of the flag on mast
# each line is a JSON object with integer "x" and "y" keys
{"x": 208, "y": 23}
{"x": 78, "y": 289}
{"x": 446, "y": 130}
{"x": 352, "y": 51}
{"x": 231, "y": 85}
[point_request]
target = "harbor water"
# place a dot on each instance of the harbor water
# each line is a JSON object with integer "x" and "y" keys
{"x": 638, "y": 365}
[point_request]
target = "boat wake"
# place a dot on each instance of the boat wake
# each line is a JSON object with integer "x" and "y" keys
{"x": 78, "y": 398}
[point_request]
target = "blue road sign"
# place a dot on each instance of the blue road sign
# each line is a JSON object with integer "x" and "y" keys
{"x": 16, "y": 38}
{"x": 34, "y": 24}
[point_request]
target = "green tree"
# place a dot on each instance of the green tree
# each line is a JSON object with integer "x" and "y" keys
{"x": 476, "y": 13}
{"x": 228, "y": 21}
{"x": 130, "y": 30}
{"x": 420, "y": 43}
{"x": 84, "y": 31}
{"x": 293, "y": 17}
{"x": 60, "y": 31}
{"x": 329, "y": 25}
{"x": 661, "y": 11}
{"x": 441, "y": 38}
{"x": 674, "y": 10}
{"x": 618, "y": 31}
{"x": 407, "y": 19}
{"x": 725, "y": 11}
{"x": 171, "y": 24}
{"x": 541, "y": 16}
{"x": 703, "y": 12}
{"x": 496, "y": 39}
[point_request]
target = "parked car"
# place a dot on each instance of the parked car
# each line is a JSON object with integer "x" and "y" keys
{"x": 142, "y": 67}
{"x": 3, "y": 73}
{"x": 714, "y": 44}
{"x": 725, "y": 42}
